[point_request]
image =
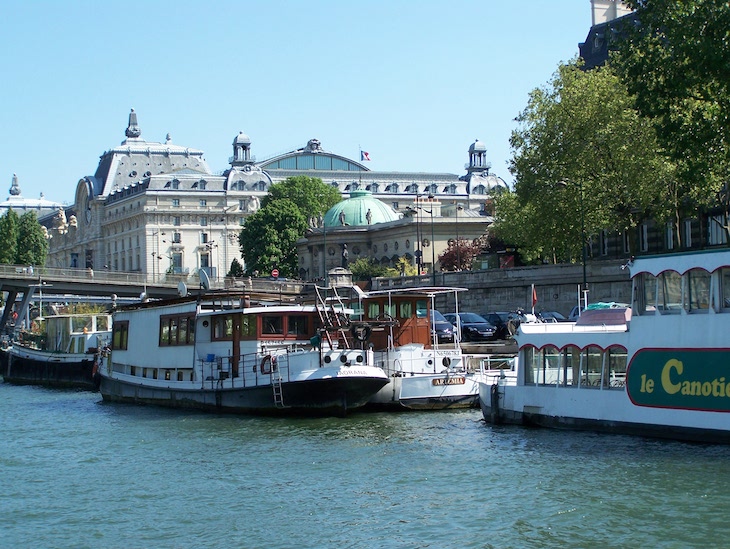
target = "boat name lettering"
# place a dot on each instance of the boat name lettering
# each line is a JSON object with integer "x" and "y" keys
{"x": 691, "y": 379}
{"x": 353, "y": 372}
{"x": 460, "y": 380}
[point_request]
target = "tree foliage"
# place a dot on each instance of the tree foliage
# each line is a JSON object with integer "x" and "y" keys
{"x": 676, "y": 62}
{"x": 32, "y": 243}
{"x": 310, "y": 194}
{"x": 460, "y": 254}
{"x": 582, "y": 156}
{"x": 9, "y": 237}
{"x": 236, "y": 269}
{"x": 268, "y": 239}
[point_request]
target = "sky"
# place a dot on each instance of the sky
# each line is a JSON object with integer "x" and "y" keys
{"x": 412, "y": 82}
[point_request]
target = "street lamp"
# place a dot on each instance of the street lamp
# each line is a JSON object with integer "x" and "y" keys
{"x": 458, "y": 246}
{"x": 433, "y": 251}
{"x": 584, "y": 287}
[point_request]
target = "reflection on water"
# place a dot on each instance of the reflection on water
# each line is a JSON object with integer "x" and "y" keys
{"x": 77, "y": 472}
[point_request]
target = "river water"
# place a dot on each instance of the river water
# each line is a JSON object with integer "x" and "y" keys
{"x": 76, "y": 472}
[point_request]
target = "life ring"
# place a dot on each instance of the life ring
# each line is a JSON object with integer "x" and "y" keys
{"x": 361, "y": 332}
{"x": 268, "y": 363}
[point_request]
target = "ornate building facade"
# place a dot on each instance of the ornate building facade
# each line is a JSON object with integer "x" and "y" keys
{"x": 157, "y": 209}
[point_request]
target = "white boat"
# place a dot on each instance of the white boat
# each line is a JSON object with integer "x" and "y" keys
{"x": 660, "y": 368}
{"x": 423, "y": 374}
{"x": 220, "y": 352}
{"x": 63, "y": 352}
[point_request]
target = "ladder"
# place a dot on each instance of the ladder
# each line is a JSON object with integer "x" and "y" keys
{"x": 276, "y": 384}
{"x": 331, "y": 320}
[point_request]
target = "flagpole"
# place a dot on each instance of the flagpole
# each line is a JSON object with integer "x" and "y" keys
{"x": 534, "y": 299}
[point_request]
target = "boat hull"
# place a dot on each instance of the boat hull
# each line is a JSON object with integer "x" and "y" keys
{"x": 607, "y": 411}
{"x": 332, "y": 396}
{"x": 427, "y": 392}
{"x": 33, "y": 367}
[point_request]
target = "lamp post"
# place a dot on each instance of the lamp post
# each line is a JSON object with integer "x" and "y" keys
{"x": 458, "y": 246}
{"x": 433, "y": 246}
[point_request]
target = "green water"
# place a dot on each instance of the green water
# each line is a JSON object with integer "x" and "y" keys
{"x": 79, "y": 473}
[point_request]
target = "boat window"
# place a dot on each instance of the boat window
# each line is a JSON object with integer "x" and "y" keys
{"x": 570, "y": 368}
{"x": 79, "y": 323}
{"x": 649, "y": 296}
{"x": 296, "y": 325}
{"x": 222, "y": 327}
{"x": 120, "y": 334}
{"x": 406, "y": 309}
{"x": 616, "y": 365}
{"x": 530, "y": 358}
{"x": 177, "y": 330}
{"x": 102, "y": 323}
{"x": 725, "y": 283}
{"x": 549, "y": 365}
{"x": 592, "y": 367}
{"x": 179, "y": 375}
{"x": 373, "y": 310}
{"x": 272, "y": 325}
{"x": 248, "y": 326}
{"x": 389, "y": 309}
{"x": 669, "y": 292}
{"x": 421, "y": 308}
{"x": 132, "y": 371}
{"x": 698, "y": 291}
{"x": 167, "y": 375}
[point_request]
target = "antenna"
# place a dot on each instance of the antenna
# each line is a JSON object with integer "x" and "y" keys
{"x": 204, "y": 280}
{"x": 182, "y": 289}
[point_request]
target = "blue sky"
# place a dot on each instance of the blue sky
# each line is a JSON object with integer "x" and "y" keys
{"x": 411, "y": 82}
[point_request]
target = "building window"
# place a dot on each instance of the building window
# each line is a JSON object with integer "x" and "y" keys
{"x": 688, "y": 233}
{"x": 395, "y": 206}
{"x": 670, "y": 236}
{"x": 644, "y": 237}
{"x": 176, "y": 262}
{"x": 604, "y": 242}
{"x": 716, "y": 231}
{"x": 203, "y": 221}
{"x": 203, "y": 202}
{"x": 203, "y": 238}
{"x": 175, "y": 202}
{"x": 175, "y": 184}
{"x": 626, "y": 243}
{"x": 176, "y": 238}
{"x": 202, "y": 184}
{"x": 176, "y": 221}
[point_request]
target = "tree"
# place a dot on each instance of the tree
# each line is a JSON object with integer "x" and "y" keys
{"x": 236, "y": 269}
{"x": 32, "y": 244}
{"x": 582, "y": 157}
{"x": 268, "y": 239}
{"x": 310, "y": 194}
{"x": 675, "y": 61}
{"x": 459, "y": 255}
{"x": 365, "y": 268}
{"x": 9, "y": 237}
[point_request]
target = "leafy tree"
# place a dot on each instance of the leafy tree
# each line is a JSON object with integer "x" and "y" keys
{"x": 365, "y": 268}
{"x": 32, "y": 244}
{"x": 268, "y": 239}
{"x": 459, "y": 255}
{"x": 582, "y": 155}
{"x": 675, "y": 61}
{"x": 236, "y": 269}
{"x": 9, "y": 237}
{"x": 310, "y": 194}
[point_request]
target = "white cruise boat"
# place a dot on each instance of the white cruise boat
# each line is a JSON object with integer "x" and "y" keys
{"x": 660, "y": 368}
{"x": 220, "y": 352}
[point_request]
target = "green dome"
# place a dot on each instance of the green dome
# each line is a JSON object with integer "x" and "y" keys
{"x": 355, "y": 210}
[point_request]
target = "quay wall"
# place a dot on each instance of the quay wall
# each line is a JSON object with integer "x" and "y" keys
{"x": 557, "y": 286}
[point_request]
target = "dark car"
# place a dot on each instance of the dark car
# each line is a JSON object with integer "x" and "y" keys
{"x": 551, "y": 316}
{"x": 441, "y": 328}
{"x": 499, "y": 320}
{"x": 472, "y": 326}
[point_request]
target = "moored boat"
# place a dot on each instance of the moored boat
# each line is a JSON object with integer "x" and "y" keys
{"x": 63, "y": 352}
{"x": 423, "y": 373}
{"x": 220, "y": 352}
{"x": 660, "y": 368}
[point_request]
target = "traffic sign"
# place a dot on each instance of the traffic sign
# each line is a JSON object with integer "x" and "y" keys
{"x": 275, "y": 273}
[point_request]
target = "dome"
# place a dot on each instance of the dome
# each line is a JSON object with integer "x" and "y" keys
{"x": 354, "y": 211}
{"x": 477, "y": 146}
{"x": 242, "y": 139}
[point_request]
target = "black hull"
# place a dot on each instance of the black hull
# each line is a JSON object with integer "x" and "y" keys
{"x": 323, "y": 397}
{"x": 25, "y": 371}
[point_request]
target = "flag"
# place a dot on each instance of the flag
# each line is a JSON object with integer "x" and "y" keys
{"x": 364, "y": 155}
{"x": 534, "y": 296}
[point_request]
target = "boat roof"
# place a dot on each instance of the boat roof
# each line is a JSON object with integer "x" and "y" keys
{"x": 709, "y": 260}
{"x": 427, "y": 291}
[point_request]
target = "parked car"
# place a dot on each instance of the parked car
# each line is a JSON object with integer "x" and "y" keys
{"x": 551, "y": 316}
{"x": 499, "y": 320}
{"x": 575, "y": 313}
{"x": 472, "y": 326}
{"x": 441, "y": 328}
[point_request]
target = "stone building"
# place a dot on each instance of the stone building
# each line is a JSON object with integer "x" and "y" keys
{"x": 157, "y": 208}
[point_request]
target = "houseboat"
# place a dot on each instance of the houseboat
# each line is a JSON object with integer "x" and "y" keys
{"x": 62, "y": 351}
{"x": 660, "y": 368}
{"x": 223, "y": 352}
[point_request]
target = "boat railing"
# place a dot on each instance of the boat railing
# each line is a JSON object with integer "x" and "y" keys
{"x": 251, "y": 370}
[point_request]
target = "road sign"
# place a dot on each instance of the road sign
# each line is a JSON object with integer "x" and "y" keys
{"x": 275, "y": 273}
